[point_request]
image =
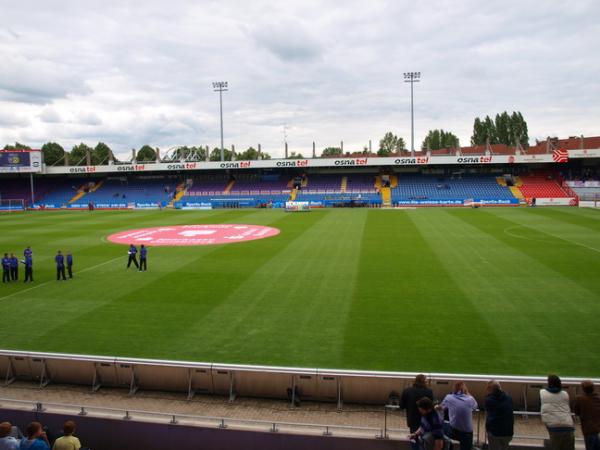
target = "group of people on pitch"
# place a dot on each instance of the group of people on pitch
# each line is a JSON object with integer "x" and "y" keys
{"x": 429, "y": 430}
{"x": 10, "y": 266}
{"x": 132, "y": 253}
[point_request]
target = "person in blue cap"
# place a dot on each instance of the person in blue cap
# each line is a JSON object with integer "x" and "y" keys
{"x": 59, "y": 259}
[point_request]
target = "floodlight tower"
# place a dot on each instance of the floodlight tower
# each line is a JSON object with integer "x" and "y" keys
{"x": 412, "y": 78}
{"x": 220, "y": 87}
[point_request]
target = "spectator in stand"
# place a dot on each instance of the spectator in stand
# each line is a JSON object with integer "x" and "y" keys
{"x": 7, "y": 442}
{"x": 499, "y": 421}
{"x": 431, "y": 429}
{"x": 460, "y": 406}
{"x": 408, "y": 401}
{"x": 36, "y": 438}
{"x": 587, "y": 407}
{"x": 556, "y": 415}
{"x": 67, "y": 441}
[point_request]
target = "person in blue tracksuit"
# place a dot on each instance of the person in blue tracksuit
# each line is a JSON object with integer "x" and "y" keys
{"x": 14, "y": 267}
{"x": 132, "y": 256}
{"x": 59, "y": 259}
{"x": 28, "y": 261}
{"x": 143, "y": 258}
{"x": 27, "y": 252}
{"x": 5, "y": 268}
{"x": 70, "y": 264}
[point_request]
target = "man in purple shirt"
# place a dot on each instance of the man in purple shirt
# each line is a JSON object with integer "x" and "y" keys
{"x": 460, "y": 406}
{"x": 60, "y": 266}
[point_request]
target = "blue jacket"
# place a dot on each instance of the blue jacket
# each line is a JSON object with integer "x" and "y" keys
{"x": 6, "y": 263}
{"x": 132, "y": 250}
{"x": 28, "y": 261}
{"x": 69, "y": 260}
{"x": 143, "y": 252}
{"x": 60, "y": 260}
{"x": 14, "y": 262}
{"x": 499, "y": 414}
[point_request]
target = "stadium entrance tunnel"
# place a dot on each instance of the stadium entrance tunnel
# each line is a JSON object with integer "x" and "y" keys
{"x": 184, "y": 235}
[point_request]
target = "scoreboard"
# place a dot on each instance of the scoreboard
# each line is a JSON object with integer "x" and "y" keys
{"x": 20, "y": 161}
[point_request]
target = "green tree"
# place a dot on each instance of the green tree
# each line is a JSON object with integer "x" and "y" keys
{"x": 250, "y": 154}
{"x": 437, "y": 139}
{"x": 53, "y": 153}
{"x": 17, "y": 146}
{"x": 77, "y": 157}
{"x": 504, "y": 129}
{"x": 295, "y": 155}
{"x": 331, "y": 152}
{"x": 215, "y": 155}
{"x": 389, "y": 144}
{"x": 100, "y": 154}
{"x": 145, "y": 154}
{"x": 519, "y": 129}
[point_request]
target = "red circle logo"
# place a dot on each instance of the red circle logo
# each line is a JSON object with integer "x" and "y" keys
{"x": 193, "y": 235}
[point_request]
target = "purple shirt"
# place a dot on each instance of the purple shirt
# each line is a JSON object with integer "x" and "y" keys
{"x": 460, "y": 409}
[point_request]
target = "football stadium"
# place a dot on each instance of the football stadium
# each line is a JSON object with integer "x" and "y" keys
{"x": 247, "y": 225}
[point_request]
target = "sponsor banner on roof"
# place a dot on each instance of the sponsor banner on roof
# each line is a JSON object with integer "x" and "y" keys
{"x": 329, "y": 162}
{"x": 585, "y": 153}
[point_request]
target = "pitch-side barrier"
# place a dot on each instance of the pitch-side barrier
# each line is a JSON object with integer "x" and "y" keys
{"x": 232, "y": 380}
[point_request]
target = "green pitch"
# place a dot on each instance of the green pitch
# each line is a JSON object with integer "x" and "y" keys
{"x": 508, "y": 291}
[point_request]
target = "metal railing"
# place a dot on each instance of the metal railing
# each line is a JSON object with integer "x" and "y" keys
{"x": 271, "y": 426}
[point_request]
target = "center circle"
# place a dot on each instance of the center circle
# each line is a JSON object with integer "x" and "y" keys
{"x": 180, "y": 235}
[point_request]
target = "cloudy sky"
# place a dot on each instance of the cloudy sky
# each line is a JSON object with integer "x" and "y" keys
{"x": 130, "y": 73}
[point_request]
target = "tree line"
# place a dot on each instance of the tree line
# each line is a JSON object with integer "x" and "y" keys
{"x": 55, "y": 154}
{"x": 505, "y": 128}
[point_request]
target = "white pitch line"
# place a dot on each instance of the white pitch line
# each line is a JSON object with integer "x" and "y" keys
{"x": 48, "y": 282}
{"x": 579, "y": 244}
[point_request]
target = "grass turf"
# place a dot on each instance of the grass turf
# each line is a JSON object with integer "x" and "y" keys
{"x": 511, "y": 291}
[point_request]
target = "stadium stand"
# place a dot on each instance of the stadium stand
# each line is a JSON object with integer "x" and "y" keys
{"x": 541, "y": 185}
{"x": 245, "y": 190}
{"x": 414, "y": 187}
{"x": 124, "y": 190}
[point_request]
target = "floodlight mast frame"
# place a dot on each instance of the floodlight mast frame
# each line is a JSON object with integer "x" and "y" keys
{"x": 220, "y": 87}
{"x": 412, "y": 78}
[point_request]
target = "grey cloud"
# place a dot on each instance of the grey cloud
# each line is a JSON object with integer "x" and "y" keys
{"x": 50, "y": 115}
{"x": 329, "y": 70}
{"x": 288, "y": 41}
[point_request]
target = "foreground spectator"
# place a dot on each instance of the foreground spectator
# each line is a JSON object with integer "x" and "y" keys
{"x": 408, "y": 401}
{"x": 7, "y": 442}
{"x": 556, "y": 415}
{"x": 431, "y": 430}
{"x": 67, "y": 441}
{"x": 460, "y": 406}
{"x": 36, "y": 438}
{"x": 499, "y": 420}
{"x": 587, "y": 407}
